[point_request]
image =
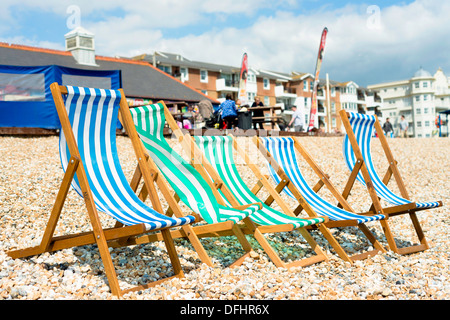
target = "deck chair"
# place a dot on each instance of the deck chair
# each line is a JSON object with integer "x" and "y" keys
{"x": 90, "y": 160}
{"x": 357, "y": 154}
{"x": 282, "y": 164}
{"x": 219, "y": 164}
{"x": 188, "y": 184}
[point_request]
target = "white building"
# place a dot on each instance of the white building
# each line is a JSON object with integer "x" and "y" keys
{"x": 419, "y": 99}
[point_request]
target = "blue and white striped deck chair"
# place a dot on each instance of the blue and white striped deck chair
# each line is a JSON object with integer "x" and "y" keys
{"x": 189, "y": 185}
{"x": 282, "y": 161}
{"x": 218, "y": 151}
{"x": 90, "y": 160}
{"x": 358, "y": 158}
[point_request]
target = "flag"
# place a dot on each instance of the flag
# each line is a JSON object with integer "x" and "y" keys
{"x": 242, "y": 94}
{"x": 312, "y": 115}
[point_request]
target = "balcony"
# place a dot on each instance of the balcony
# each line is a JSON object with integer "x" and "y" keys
{"x": 225, "y": 85}
{"x": 281, "y": 92}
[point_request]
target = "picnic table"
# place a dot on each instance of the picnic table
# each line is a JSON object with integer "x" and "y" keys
{"x": 269, "y": 119}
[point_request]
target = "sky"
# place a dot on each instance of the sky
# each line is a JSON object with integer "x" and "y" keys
{"x": 368, "y": 41}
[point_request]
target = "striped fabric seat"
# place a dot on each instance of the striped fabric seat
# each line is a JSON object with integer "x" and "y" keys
{"x": 282, "y": 150}
{"x": 363, "y": 127}
{"x": 219, "y": 152}
{"x": 93, "y": 116}
{"x": 189, "y": 185}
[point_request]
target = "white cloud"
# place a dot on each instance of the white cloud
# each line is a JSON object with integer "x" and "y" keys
{"x": 361, "y": 45}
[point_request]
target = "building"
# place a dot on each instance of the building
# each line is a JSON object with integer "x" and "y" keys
{"x": 273, "y": 88}
{"x": 419, "y": 99}
{"x": 215, "y": 80}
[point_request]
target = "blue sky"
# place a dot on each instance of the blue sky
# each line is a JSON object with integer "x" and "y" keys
{"x": 368, "y": 42}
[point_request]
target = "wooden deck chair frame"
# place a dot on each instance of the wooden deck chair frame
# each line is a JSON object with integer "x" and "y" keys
{"x": 304, "y": 205}
{"x": 151, "y": 173}
{"x": 202, "y": 164}
{"x": 376, "y": 207}
{"x": 117, "y": 236}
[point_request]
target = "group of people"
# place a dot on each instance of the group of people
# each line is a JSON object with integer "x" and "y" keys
{"x": 389, "y": 130}
{"x": 229, "y": 110}
{"x": 229, "y": 113}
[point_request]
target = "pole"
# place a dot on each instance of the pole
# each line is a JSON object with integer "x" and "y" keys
{"x": 328, "y": 104}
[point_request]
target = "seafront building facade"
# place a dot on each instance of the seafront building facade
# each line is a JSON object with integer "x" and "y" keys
{"x": 420, "y": 99}
{"x": 273, "y": 88}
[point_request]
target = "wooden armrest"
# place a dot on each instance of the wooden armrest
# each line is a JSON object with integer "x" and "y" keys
{"x": 245, "y": 206}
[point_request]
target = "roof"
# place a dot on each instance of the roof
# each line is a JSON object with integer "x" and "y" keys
{"x": 421, "y": 73}
{"x": 139, "y": 79}
{"x": 180, "y": 61}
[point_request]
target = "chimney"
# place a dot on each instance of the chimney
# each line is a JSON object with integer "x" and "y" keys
{"x": 80, "y": 43}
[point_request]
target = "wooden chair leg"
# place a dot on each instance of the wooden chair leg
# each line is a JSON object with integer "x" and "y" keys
{"x": 174, "y": 259}
{"x": 406, "y": 250}
{"x": 333, "y": 242}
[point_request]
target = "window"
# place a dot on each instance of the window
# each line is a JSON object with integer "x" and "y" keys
{"x": 425, "y": 84}
{"x": 416, "y": 85}
{"x": 203, "y": 75}
{"x": 228, "y": 79}
{"x": 333, "y": 91}
{"x": 333, "y": 107}
{"x": 425, "y": 110}
{"x": 165, "y": 68}
{"x": 333, "y": 122}
{"x": 22, "y": 87}
{"x": 266, "y": 83}
{"x": 71, "y": 43}
{"x": 417, "y": 98}
{"x": 419, "y": 124}
{"x": 86, "y": 42}
{"x": 427, "y": 123}
{"x": 425, "y": 97}
{"x": 205, "y": 92}
{"x": 266, "y": 101}
{"x": 418, "y": 111}
{"x": 86, "y": 81}
{"x": 184, "y": 74}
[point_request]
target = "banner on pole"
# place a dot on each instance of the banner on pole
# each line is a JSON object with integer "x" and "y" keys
{"x": 242, "y": 94}
{"x": 312, "y": 115}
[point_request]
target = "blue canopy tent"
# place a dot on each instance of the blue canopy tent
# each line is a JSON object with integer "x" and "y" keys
{"x": 25, "y": 97}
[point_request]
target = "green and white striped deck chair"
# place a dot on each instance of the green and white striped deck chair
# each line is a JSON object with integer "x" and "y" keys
{"x": 188, "y": 184}
{"x": 219, "y": 153}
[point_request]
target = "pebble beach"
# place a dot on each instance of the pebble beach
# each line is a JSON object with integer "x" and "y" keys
{"x": 30, "y": 176}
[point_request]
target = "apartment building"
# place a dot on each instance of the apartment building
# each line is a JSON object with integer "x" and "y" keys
{"x": 273, "y": 88}
{"x": 214, "y": 80}
{"x": 419, "y": 99}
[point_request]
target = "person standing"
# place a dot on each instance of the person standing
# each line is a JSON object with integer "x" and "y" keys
{"x": 387, "y": 127}
{"x": 403, "y": 127}
{"x": 298, "y": 119}
{"x": 229, "y": 111}
{"x": 257, "y": 113}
